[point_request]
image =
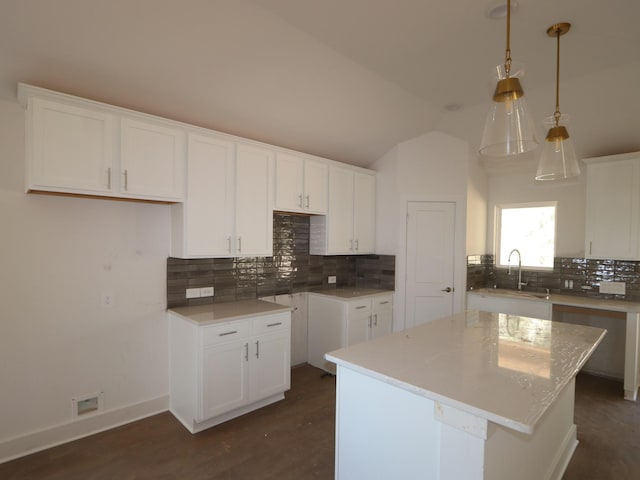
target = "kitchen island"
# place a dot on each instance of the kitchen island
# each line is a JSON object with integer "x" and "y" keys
{"x": 476, "y": 395}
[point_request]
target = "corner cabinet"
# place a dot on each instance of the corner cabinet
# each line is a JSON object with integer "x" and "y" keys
{"x": 612, "y": 229}
{"x": 80, "y": 147}
{"x": 349, "y": 226}
{"x": 228, "y": 208}
{"x": 301, "y": 184}
{"x": 221, "y": 371}
{"x": 337, "y": 323}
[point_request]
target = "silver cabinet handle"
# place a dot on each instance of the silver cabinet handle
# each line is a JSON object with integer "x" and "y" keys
{"x": 356, "y": 244}
{"x": 224, "y": 334}
{"x": 360, "y": 306}
{"x": 246, "y": 351}
{"x": 590, "y": 246}
{"x": 257, "y": 348}
{"x": 375, "y": 321}
{"x": 448, "y": 290}
{"x": 300, "y": 200}
{"x": 274, "y": 324}
{"x": 370, "y": 316}
{"x": 383, "y": 303}
{"x": 351, "y": 244}
{"x": 126, "y": 180}
{"x": 307, "y": 201}
{"x": 109, "y": 178}
{"x": 239, "y": 244}
{"x": 229, "y": 244}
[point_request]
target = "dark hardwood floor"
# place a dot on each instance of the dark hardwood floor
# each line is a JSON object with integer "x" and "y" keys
{"x": 294, "y": 439}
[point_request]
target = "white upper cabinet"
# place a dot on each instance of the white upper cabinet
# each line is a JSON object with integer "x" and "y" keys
{"x": 228, "y": 210}
{"x": 203, "y": 226}
{"x": 69, "y": 148}
{"x": 151, "y": 159}
{"x": 73, "y": 147}
{"x": 254, "y": 201}
{"x": 613, "y": 207}
{"x": 349, "y": 227}
{"x": 301, "y": 184}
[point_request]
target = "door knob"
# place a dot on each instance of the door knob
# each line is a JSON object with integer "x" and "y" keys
{"x": 448, "y": 289}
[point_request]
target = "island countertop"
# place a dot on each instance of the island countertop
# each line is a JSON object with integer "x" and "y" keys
{"x": 504, "y": 368}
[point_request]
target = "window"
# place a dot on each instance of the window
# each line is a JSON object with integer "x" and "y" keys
{"x": 529, "y": 227}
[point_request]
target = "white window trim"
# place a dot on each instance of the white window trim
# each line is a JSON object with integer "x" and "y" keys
{"x": 498, "y": 224}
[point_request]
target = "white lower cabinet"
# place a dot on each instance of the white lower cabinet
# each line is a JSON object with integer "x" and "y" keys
{"x": 511, "y": 306}
{"x": 337, "y": 323}
{"x": 221, "y": 371}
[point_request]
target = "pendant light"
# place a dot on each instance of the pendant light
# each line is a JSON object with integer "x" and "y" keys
{"x": 558, "y": 159}
{"x": 509, "y": 128}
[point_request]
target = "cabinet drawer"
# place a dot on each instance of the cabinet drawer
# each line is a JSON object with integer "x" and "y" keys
{"x": 360, "y": 307}
{"x": 383, "y": 302}
{"x": 271, "y": 323}
{"x": 226, "y": 332}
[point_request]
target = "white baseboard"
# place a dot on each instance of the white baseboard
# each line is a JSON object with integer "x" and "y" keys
{"x": 66, "y": 432}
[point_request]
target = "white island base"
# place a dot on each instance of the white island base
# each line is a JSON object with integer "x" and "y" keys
{"x": 384, "y": 432}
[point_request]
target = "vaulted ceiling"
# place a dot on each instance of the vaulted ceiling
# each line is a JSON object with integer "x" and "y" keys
{"x": 343, "y": 79}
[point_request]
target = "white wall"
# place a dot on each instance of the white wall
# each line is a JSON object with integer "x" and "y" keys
{"x": 59, "y": 256}
{"x": 431, "y": 167}
{"x": 522, "y": 187}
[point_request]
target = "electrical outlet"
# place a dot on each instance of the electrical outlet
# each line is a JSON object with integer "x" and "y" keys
{"x": 206, "y": 292}
{"x": 616, "y": 288}
{"x": 331, "y": 279}
{"x": 193, "y": 293}
{"x": 107, "y": 300}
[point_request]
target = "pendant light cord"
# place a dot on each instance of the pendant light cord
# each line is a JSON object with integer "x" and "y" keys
{"x": 507, "y": 53}
{"x": 556, "y": 114}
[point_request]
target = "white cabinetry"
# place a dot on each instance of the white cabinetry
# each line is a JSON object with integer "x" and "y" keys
{"x": 151, "y": 159}
{"x": 218, "y": 372}
{"x": 613, "y": 207}
{"x": 349, "y": 227}
{"x": 227, "y": 211}
{"x": 512, "y": 306}
{"x": 76, "y": 146}
{"x": 337, "y": 323}
{"x": 301, "y": 184}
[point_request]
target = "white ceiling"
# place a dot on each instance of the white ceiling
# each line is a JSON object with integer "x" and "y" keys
{"x": 343, "y": 79}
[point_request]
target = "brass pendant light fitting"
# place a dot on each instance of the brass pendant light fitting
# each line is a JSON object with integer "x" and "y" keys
{"x": 557, "y": 132}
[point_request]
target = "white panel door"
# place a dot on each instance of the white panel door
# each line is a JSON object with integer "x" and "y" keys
{"x": 429, "y": 261}
{"x": 316, "y": 187}
{"x": 289, "y": 183}
{"x": 340, "y": 217}
{"x": 270, "y": 368}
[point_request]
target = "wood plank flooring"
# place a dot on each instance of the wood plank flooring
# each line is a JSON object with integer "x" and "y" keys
{"x": 294, "y": 439}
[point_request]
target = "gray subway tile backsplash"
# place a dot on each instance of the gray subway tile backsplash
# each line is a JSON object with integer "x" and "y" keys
{"x": 291, "y": 269}
{"x": 582, "y": 272}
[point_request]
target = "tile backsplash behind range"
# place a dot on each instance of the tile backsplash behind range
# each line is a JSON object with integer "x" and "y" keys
{"x": 291, "y": 269}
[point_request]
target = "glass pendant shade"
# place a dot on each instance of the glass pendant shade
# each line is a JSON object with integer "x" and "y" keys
{"x": 558, "y": 159}
{"x": 509, "y": 127}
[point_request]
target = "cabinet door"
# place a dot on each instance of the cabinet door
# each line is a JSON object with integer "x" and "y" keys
{"x": 289, "y": 177}
{"x": 270, "y": 365}
{"x": 224, "y": 379}
{"x": 316, "y": 187}
{"x": 152, "y": 160}
{"x": 70, "y": 148}
{"x": 382, "y": 307}
{"x": 364, "y": 213}
{"x": 254, "y": 201}
{"x": 340, "y": 215}
{"x": 209, "y": 204}
{"x": 359, "y": 321}
{"x": 612, "y": 210}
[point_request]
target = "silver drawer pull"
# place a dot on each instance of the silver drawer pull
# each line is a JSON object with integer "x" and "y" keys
{"x": 361, "y": 306}
{"x": 384, "y": 303}
{"x": 274, "y": 324}
{"x": 227, "y": 333}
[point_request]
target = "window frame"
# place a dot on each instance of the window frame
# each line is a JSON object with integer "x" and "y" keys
{"x": 498, "y": 231}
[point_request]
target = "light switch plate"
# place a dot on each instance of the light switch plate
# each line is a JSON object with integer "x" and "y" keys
{"x": 616, "y": 288}
{"x": 193, "y": 293}
{"x": 331, "y": 279}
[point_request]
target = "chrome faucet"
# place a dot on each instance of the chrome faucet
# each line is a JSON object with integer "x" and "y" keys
{"x": 520, "y": 283}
